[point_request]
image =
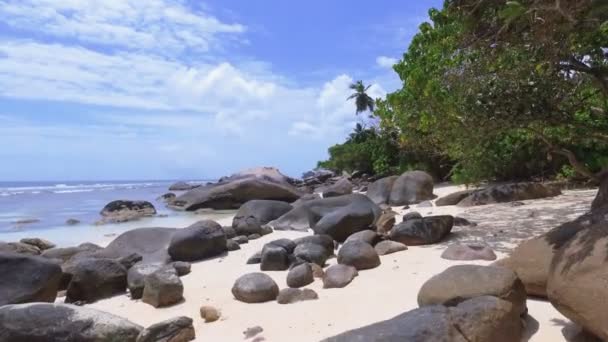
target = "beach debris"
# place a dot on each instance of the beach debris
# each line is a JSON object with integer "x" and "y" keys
{"x": 210, "y": 313}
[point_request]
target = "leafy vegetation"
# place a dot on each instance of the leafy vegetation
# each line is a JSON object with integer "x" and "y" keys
{"x": 502, "y": 90}
{"x": 363, "y": 101}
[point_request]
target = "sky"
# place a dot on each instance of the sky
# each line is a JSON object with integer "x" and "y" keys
{"x": 185, "y": 89}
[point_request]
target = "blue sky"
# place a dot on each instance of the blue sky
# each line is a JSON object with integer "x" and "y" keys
{"x": 172, "y": 89}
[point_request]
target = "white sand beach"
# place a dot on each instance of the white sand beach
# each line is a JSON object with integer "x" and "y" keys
{"x": 374, "y": 295}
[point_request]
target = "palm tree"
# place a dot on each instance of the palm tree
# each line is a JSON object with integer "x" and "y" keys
{"x": 362, "y": 100}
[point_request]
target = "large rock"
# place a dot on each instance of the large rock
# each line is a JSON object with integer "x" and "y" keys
{"x": 255, "y": 213}
{"x": 271, "y": 174}
{"x": 182, "y": 186}
{"x": 380, "y": 191}
{"x": 428, "y": 230}
{"x": 150, "y": 243}
{"x": 359, "y": 254}
{"x": 313, "y": 253}
{"x": 300, "y": 275}
{"x": 317, "y": 176}
{"x": 338, "y": 217}
{"x": 163, "y": 288}
{"x": 462, "y": 282}
{"x": 577, "y": 280}
{"x": 368, "y": 236}
{"x": 338, "y": 276}
{"x": 66, "y": 253}
{"x": 412, "y": 187}
{"x": 203, "y": 239}
{"x": 509, "y": 193}
{"x": 94, "y": 279}
{"x": 255, "y": 288}
{"x": 274, "y": 258}
{"x": 42, "y": 322}
{"x": 178, "y": 329}
{"x": 453, "y": 198}
{"x": 27, "y": 279}
{"x": 324, "y": 240}
{"x": 339, "y": 188}
{"x": 122, "y": 211}
{"x": 231, "y": 194}
{"x": 136, "y": 278}
{"x": 468, "y": 251}
{"x": 480, "y": 319}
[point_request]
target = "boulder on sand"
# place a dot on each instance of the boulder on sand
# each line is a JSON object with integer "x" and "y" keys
{"x": 359, "y": 254}
{"x": 479, "y": 319}
{"x": 261, "y": 172}
{"x": 338, "y": 276}
{"x": 388, "y": 247}
{"x": 94, "y": 279}
{"x": 502, "y": 193}
{"x": 462, "y": 282}
{"x": 424, "y": 231}
{"x": 453, "y": 198}
{"x": 290, "y": 295}
{"x": 300, "y": 275}
{"x": 468, "y": 251}
{"x": 163, "y": 288}
{"x": 274, "y": 258}
{"x": 234, "y": 192}
{"x": 380, "y": 191}
{"x": 38, "y": 322}
{"x": 27, "y": 279}
{"x": 338, "y": 217}
{"x": 204, "y": 239}
{"x": 368, "y": 236}
{"x": 136, "y": 278}
{"x": 313, "y": 252}
{"x": 412, "y": 187}
{"x": 339, "y": 188}
{"x": 255, "y": 288}
{"x": 576, "y": 285}
{"x": 252, "y": 215}
{"x": 122, "y": 211}
{"x": 178, "y": 329}
{"x": 150, "y": 243}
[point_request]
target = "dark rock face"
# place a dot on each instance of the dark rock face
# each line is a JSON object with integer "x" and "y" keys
{"x": 150, "y": 243}
{"x": 43, "y": 322}
{"x": 181, "y": 267}
{"x": 233, "y": 245}
{"x": 380, "y": 191}
{"x": 468, "y": 252}
{"x": 270, "y": 174}
{"x": 182, "y": 186}
{"x": 168, "y": 197}
{"x": 255, "y": 259}
{"x": 255, "y": 213}
{"x": 453, "y": 198}
{"x": 274, "y": 258}
{"x": 290, "y": 296}
{"x": 94, "y": 279}
{"x": 27, "y": 279}
{"x": 359, "y": 254}
{"x": 337, "y": 217}
{"x": 204, "y": 239}
{"x": 231, "y": 194}
{"x": 19, "y": 248}
{"x": 339, "y": 188}
{"x": 367, "y": 236}
{"x": 479, "y": 319}
{"x": 178, "y": 329}
{"x": 300, "y": 275}
{"x": 462, "y": 282}
{"x": 509, "y": 193}
{"x": 255, "y": 288}
{"x": 286, "y": 244}
{"x": 324, "y": 240}
{"x": 122, "y": 211}
{"x": 338, "y": 276}
{"x": 412, "y": 187}
{"x": 428, "y": 230}
{"x": 136, "y": 278}
{"x": 42, "y": 244}
{"x": 317, "y": 176}
{"x": 66, "y": 253}
{"x": 388, "y": 247}
{"x": 163, "y": 288}
{"x": 411, "y": 216}
{"x": 576, "y": 285}
{"x": 313, "y": 253}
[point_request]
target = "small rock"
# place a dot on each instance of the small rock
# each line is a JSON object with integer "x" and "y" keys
{"x": 460, "y": 221}
{"x": 163, "y": 288}
{"x": 338, "y": 276}
{"x": 177, "y": 329}
{"x": 312, "y": 252}
{"x": 367, "y": 236}
{"x": 210, "y": 313}
{"x": 251, "y": 332}
{"x": 388, "y": 247}
{"x": 72, "y": 222}
{"x": 468, "y": 252}
{"x": 241, "y": 239}
{"x": 317, "y": 271}
{"x": 290, "y": 295}
{"x": 300, "y": 275}
{"x": 230, "y": 232}
{"x": 182, "y": 267}
{"x": 274, "y": 258}
{"x": 42, "y": 244}
{"x": 255, "y": 258}
{"x": 255, "y": 288}
{"x": 358, "y": 254}
{"x": 265, "y": 230}
{"x": 232, "y": 245}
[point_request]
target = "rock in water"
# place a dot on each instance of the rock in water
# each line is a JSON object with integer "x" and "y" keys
{"x": 255, "y": 213}
{"x": 338, "y": 276}
{"x": 178, "y": 329}
{"x": 509, "y": 193}
{"x": 577, "y": 280}
{"x": 41, "y": 322}
{"x": 163, "y": 288}
{"x": 339, "y": 188}
{"x": 290, "y": 295}
{"x": 255, "y": 288}
{"x": 300, "y": 275}
{"x": 122, "y": 211}
{"x": 359, "y": 254}
{"x": 462, "y": 282}
{"x": 428, "y": 230}
{"x": 202, "y": 240}
{"x": 480, "y": 319}
{"x": 27, "y": 279}
{"x": 468, "y": 252}
{"x": 94, "y": 279}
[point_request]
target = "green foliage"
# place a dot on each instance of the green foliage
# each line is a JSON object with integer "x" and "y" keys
{"x": 363, "y": 101}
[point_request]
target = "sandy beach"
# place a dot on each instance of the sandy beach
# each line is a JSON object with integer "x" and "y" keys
{"x": 374, "y": 295}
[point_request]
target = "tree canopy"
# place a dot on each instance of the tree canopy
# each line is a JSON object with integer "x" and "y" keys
{"x": 363, "y": 101}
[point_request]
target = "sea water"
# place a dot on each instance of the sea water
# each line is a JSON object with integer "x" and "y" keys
{"x": 48, "y": 205}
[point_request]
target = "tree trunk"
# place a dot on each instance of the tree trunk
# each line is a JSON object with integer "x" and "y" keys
{"x": 601, "y": 199}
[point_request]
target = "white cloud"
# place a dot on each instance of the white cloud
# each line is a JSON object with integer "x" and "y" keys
{"x": 166, "y": 26}
{"x": 386, "y": 62}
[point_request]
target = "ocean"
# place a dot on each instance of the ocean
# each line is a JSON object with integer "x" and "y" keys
{"x": 46, "y": 206}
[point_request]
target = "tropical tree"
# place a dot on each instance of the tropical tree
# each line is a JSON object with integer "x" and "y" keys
{"x": 363, "y": 101}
